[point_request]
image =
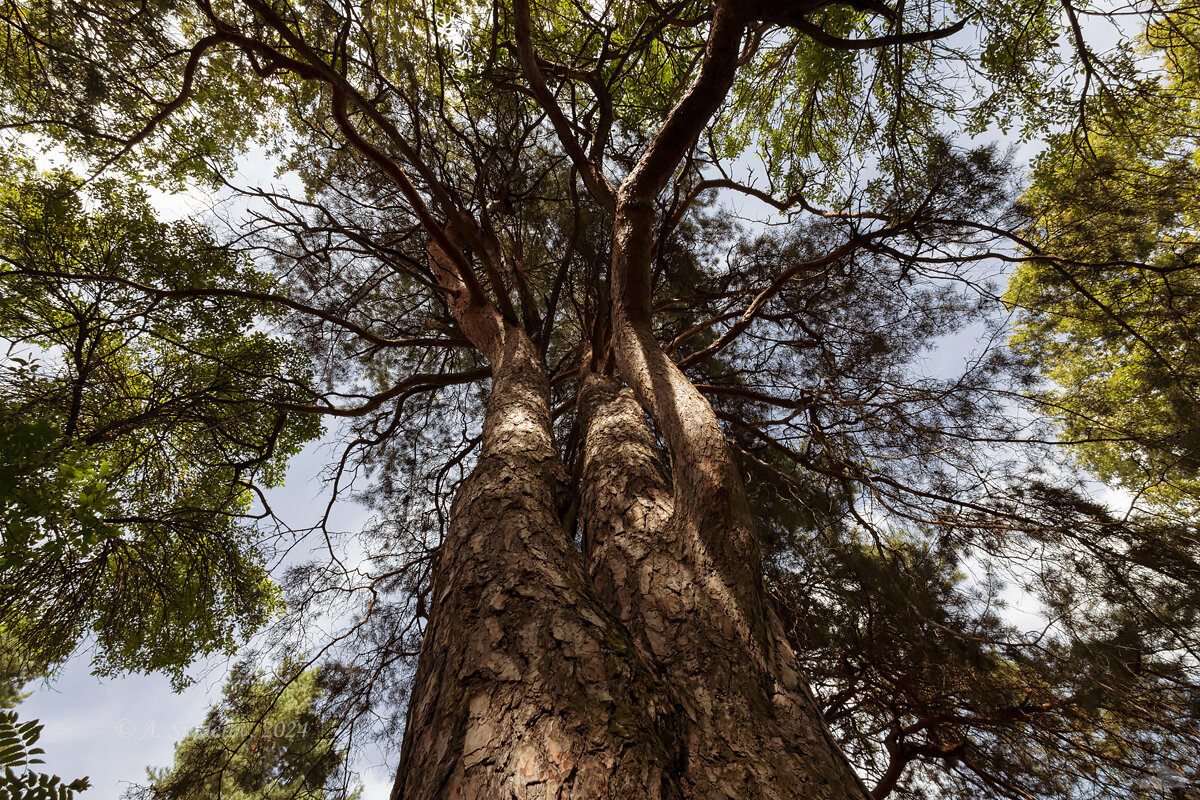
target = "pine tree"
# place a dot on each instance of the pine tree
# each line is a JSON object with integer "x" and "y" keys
{"x": 669, "y": 504}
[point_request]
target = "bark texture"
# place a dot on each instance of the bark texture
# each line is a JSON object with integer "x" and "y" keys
{"x": 752, "y": 729}
{"x": 526, "y": 686}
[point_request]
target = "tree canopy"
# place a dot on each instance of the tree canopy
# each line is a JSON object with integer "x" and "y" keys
{"x": 920, "y": 363}
{"x": 134, "y": 442}
{"x": 1111, "y": 319}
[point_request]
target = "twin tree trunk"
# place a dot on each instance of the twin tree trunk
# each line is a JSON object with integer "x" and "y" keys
{"x": 647, "y": 665}
{"x": 649, "y": 662}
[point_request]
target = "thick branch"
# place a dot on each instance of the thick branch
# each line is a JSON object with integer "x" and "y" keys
{"x": 818, "y": 34}
{"x": 703, "y": 469}
{"x": 692, "y": 113}
{"x": 590, "y": 171}
{"x": 479, "y": 320}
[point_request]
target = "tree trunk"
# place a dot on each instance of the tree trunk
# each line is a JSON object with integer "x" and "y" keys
{"x": 752, "y": 729}
{"x": 526, "y": 686}
{"x": 635, "y": 676}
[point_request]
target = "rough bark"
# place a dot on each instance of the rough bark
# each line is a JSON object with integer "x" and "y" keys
{"x": 625, "y": 506}
{"x": 526, "y": 686}
{"x": 752, "y": 729}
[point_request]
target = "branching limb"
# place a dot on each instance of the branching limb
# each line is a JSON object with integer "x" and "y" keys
{"x": 244, "y": 294}
{"x": 589, "y": 170}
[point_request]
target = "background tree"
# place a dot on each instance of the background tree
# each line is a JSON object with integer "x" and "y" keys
{"x": 134, "y": 439}
{"x": 18, "y": 749}
{"x": 266, "y": 739}
{"x": 712, "y": 466}
{"x": 1108, "y": 309}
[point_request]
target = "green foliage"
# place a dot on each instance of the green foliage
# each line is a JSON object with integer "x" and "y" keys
{"x": 815, "y": 114}
{"x": 17, "y": 668}
{"x": 18, "y": 748}
{"x": 137, "y": 426}
{"x": 268, "y": 739}
{"x": 90, "y": 105}
{"x": 52, "y": 501}
{"x": 1109, "y": 309}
